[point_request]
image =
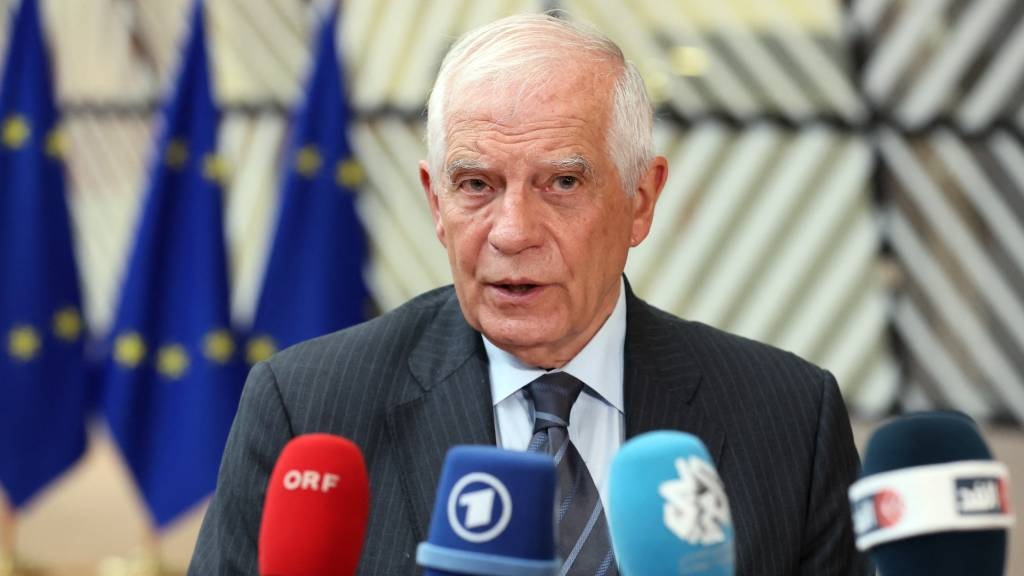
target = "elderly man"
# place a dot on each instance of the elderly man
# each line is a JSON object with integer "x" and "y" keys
{"x": 540, "y": 179}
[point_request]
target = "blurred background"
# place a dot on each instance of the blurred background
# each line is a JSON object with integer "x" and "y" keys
{"x": 846, "y": 182}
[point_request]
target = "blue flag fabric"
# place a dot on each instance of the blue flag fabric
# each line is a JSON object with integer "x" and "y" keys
{"x": 174, "y": 375}
{"x": 43, "y": 395}
{"x": 313, "y": 282}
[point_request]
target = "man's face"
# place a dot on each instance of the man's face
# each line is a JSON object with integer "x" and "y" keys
{"x": 531, "y": 210}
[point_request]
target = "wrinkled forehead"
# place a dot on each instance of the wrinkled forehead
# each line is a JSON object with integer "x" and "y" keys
{"x": 526, "y": 67}
{"x": 548, "y": 123}
{"x": 570, "y": 91}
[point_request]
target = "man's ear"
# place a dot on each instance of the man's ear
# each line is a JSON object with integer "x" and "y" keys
{"x": 435, "y": 209}
{"x": 645, "y": 196}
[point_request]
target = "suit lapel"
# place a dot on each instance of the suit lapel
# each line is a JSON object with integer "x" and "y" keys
{"x": 448, "y": 399}
{"x": 662, "y": 378}
{"x": 446, "y": 402}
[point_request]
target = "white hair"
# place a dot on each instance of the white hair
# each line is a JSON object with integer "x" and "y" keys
{"x": 524, "y": 52}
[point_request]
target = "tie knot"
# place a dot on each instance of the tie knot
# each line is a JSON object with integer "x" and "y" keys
{"x": 553, "y": 396}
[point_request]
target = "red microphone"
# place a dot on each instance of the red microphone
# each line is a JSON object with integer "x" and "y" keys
{"x": 314, "y": 515}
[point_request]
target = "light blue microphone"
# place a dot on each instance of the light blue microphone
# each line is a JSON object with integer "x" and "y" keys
{"x": 668, "y": 512}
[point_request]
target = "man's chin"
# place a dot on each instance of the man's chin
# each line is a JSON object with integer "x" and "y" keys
{"x": 510, "y": 340}
{"x": 531, "y": 342}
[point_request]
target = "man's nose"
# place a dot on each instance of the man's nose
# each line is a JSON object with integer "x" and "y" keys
{"x": 517, "y": 222}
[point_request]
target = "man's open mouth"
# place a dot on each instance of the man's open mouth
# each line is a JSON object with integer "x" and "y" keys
{"x": 517, "y": 288}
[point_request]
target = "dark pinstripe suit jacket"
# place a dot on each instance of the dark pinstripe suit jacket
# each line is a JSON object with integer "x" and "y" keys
{"x": 407, "y": 385}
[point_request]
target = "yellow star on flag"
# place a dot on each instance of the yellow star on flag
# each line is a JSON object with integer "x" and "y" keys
{"x": 259, "y": 349}
{"x": 129, "y": 349}
{"x": 16, "y": 131}
{"x": 56, "y": 143}
{"x": 349, "y": 173}
{"x": 214, "y": 168}
{"x": 176, "y": 154}
{"x": 172, "y": 361}
{"x": 23, "y": 343}
{"x": 67, "y": 324}
{"x": 308, "y": 161}
{"x": 218, "y": 346}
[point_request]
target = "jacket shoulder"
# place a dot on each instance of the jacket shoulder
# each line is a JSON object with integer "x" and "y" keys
{"x": 394, "y": 330}
{"x": 723, "y": 355}
{"x": 354, "y": 369}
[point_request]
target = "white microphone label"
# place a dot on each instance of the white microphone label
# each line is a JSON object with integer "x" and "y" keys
{"x": 486, "y": 504}
{"x": 696, "y": 509}
{"x": 907, "y": 502}
{"x": 310, "y": 480}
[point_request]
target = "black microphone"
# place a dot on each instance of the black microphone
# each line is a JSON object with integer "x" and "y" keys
{"x": 931, "y": 500}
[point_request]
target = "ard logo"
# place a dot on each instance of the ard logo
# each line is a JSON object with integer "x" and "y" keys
{"x": 479, "y": 507}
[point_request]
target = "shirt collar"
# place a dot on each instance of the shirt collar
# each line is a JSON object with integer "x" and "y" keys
{"x": 599, "y": 364}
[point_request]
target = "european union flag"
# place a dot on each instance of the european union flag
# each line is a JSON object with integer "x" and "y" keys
{"x": 174, "y": 377}
{"x": 43, "y": 396}
{"x": 314, "y": 277}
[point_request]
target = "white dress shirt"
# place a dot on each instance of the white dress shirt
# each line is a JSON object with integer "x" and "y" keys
{"x": 597, "y": 421}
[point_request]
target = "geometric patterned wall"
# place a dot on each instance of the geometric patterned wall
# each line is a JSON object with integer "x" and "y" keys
{"x": 948, "y": 81}
{"x": 846, "y": 180}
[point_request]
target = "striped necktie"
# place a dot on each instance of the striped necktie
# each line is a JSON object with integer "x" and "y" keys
{"x": 583, "y": 539}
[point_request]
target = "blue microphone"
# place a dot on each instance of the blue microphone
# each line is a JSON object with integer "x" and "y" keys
{"x": 931, "y": 500}
{"x": 494, "y": 515}
{"x": 668, "y": 512}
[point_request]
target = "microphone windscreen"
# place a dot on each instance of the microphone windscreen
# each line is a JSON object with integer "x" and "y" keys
{"x": 668, "y": 511}
{"x": 931, "y": 500}
{"x": 494, "y": 514}
{"x": 316, "y": 507}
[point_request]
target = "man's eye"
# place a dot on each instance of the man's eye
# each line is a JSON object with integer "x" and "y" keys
{"x": 566, "y": 182}
{"x": 473, "y": 185}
